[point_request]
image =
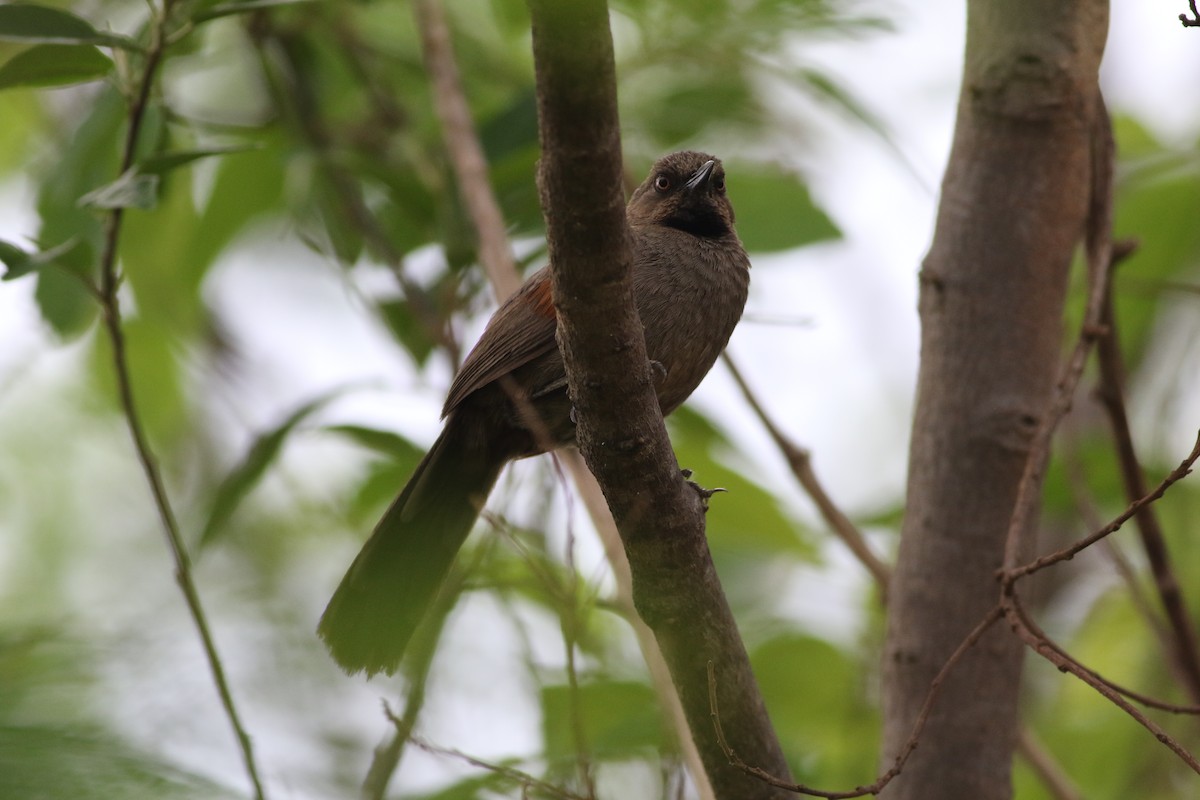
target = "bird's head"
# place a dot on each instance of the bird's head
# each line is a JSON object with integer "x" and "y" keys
{"x": 685, "y": 190}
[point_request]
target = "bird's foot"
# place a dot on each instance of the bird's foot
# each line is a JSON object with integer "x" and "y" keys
{"x": 658, "y": 371}
{"x": 701, "y": 492}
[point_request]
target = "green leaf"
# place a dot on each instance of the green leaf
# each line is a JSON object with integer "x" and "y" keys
{"x": 20, "y": 262}
{"x": 89, "y": 160}
{"x": 386, "y": 443}
{"x": 775, "y": 210}
{"x": 386, "y": 476}
{"x": 226, "y": 9}
{"x": 32, "y": 23}
{"x": 258, "y": 459}
{"x": 131, "y": 190}
{"x": 54, "y": 65}
{"x": 403, "y": 322}
{"x": 745, "y": 520}
{"x": 165, "y": 162}
{"x": 620, "y": 719}
{"x": 819, "y": 706}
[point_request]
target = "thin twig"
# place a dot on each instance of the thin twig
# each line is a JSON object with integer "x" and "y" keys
{"x": 898, "y": 765}
{"x": 801, "y": 465}
{"x": 1070, "y": 551}
{"x": 1137, "y": 594}
{"x": 1040, "y": 642}
{"x": 1184, "y": 652}
{"x": 1085, "y": 505}
{"x": 525, "y": 780}
{"x": 110, "y": 281}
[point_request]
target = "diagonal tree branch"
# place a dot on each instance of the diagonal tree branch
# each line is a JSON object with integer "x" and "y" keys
{"x": 620, "y": 429}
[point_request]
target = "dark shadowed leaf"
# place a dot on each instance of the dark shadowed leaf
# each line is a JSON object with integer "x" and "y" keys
{"x": 620, "y": 719}
{"x": 775, "y": 210}
{"x": 408, "y": 329}
{"x": 54, "y": 65}
{"x": 25, "y": 22}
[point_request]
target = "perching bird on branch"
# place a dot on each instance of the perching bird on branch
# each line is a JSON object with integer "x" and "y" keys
{"x": 509, "y": 401}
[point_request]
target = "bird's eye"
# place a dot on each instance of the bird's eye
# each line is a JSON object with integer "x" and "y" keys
{"x": 718, "y": 183}
{"x": 662, "y": 183}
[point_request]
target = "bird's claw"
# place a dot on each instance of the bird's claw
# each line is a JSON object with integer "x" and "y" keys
{"x": 658, "y": 371}
{"x": 701, "y": 492}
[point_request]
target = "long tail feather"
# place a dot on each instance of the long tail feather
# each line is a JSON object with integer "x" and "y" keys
{"x": 396, "y": 576}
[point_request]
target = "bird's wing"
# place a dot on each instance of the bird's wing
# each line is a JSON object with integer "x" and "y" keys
{"x": 521, "y": 330}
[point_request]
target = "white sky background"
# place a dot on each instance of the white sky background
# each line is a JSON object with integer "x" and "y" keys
{"x": 840, "y": 385}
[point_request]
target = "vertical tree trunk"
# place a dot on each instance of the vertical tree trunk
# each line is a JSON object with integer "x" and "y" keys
{"x": 1014, "y": 201}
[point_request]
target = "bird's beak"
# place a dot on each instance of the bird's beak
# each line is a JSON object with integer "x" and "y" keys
{"x": 700, "y": 176}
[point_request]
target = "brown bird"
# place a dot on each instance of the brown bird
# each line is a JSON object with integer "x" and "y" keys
{"x": 509, "y": 400}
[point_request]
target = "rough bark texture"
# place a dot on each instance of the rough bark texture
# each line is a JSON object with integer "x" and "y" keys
{"x": 620, "y": 429}
{"x": 1013, "y": 206}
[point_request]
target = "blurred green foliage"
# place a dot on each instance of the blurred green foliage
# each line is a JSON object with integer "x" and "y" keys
{"x": 316, "y": 118}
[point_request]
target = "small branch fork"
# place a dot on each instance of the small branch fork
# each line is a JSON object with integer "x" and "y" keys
{"x": 1194, "y": 20}
{"x": 110, "y": 281}
{"x": 526, "y": 781}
